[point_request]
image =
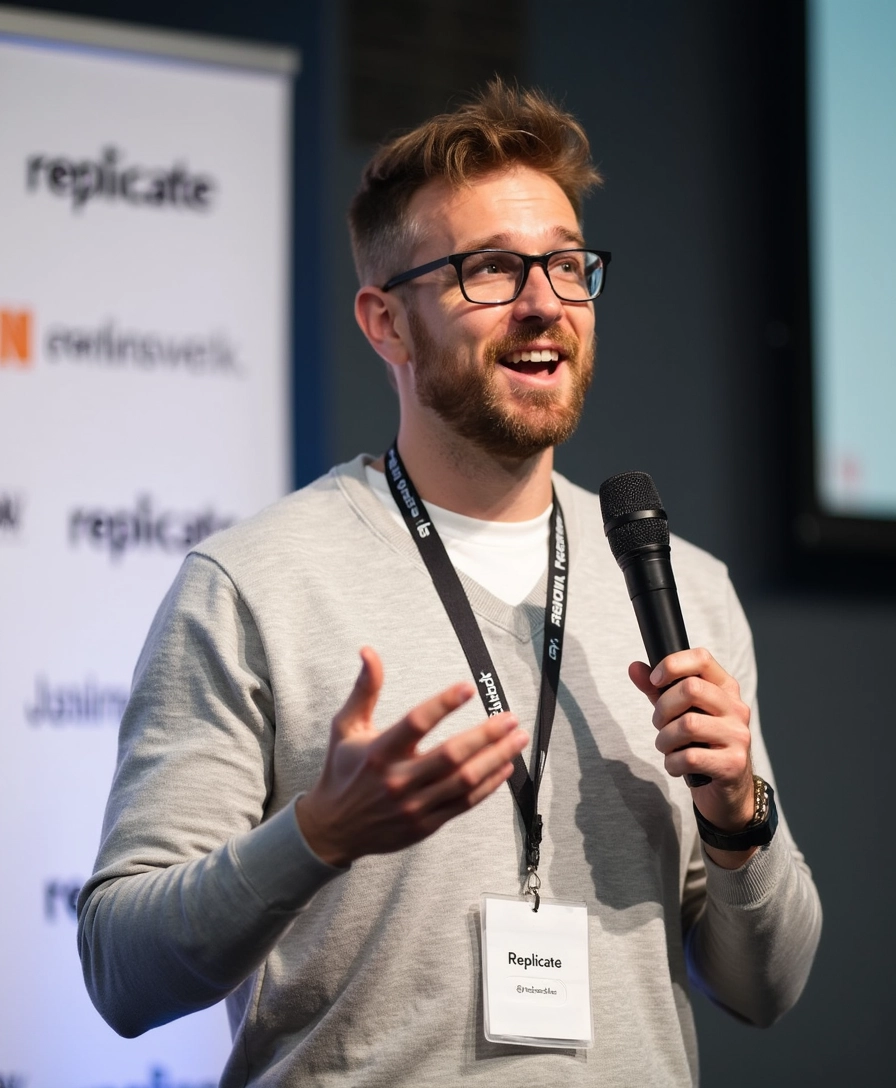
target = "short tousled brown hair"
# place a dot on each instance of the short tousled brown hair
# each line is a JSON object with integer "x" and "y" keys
{"x": 500, "y": 128}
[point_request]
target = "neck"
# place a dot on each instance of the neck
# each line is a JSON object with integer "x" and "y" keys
{"x": 451, "y": 472}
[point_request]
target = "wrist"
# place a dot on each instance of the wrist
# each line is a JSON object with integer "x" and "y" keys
{"x": 315, "y": 833}
{"x": 759, "y": 830}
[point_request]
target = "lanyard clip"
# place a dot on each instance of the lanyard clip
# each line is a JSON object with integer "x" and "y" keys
{"x": 533, "y": 883}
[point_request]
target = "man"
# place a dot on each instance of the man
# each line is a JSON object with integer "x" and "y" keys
{"x": 274, "y": 839}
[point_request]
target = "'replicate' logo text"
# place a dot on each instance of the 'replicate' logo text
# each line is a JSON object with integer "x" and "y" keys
{"x": 108, "y": 178}
{"x": 143, "y": 528}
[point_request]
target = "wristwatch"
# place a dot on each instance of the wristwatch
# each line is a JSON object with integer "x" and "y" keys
{"x": 759, "y": 831}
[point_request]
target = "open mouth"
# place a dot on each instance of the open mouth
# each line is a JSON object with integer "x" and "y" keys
{"x": 534, "y": 361}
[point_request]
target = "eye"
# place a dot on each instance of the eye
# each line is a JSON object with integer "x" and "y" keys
{"x": 484, "y": 268}
{"x": 489, "y": 265}
{"x": 569, "y": 265}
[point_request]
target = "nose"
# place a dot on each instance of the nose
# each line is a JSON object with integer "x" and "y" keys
{"x": 537, "y": 302}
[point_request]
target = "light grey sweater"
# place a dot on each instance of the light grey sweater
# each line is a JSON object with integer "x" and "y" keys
{"x": 205, "y": 889}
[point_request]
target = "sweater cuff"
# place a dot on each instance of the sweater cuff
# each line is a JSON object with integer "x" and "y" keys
{"x": 280, "y": 866}
{"x": 754, "y": 881}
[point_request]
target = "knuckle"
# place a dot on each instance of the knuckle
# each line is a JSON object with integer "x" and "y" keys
{"x": 394, "y": 787}
{"x": 691, "y": 758}
{"x": 467, "y": 778}
{"x": 415, "y": 720}
{"x": 452, "y": 757}
{"x": 692, "y": 687}
{"x": 690, "y": 724}
{"x": 731, "y": 689}
{"x": 412, "y": 813}
{"x": 743, "y": 736}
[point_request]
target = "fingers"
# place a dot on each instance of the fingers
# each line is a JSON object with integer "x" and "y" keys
{"x": 692, "y": 693}
{"x": 470, "y": 774}
{"x": 404, "y": 736}
{"x": 366, "y": 804}
{"x": 639, "y": 674}
{"x": 703, "y": 726}
{"x": 464, "y": 760}
{"x": 359, "y": 706}
{"x": 455, "y": 751}
{"x": 696, "y": 662}
{"x": 459, "y": 774}
{"x": 730, "y": 731}
{"x": 445, "y": 805}
{"x": 689, "y": 679}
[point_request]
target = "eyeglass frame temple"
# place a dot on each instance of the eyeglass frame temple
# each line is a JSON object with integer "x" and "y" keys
{"x": 420, "y": 270}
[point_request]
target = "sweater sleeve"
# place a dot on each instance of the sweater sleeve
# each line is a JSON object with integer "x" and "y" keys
{"x": 195, "y": 880}
{"x": 752, "y": 941}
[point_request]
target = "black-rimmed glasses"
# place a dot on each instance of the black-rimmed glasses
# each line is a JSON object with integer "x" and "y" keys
{"x": 492, "y": 277}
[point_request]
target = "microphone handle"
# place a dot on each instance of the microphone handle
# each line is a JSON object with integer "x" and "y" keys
{"x": 654, "y": 597}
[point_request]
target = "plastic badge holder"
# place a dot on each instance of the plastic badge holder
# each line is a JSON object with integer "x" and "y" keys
{"x": 536, "y": 972}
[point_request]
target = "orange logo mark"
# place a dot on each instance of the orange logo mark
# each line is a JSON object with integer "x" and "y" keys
{"x": 15, "y": 337}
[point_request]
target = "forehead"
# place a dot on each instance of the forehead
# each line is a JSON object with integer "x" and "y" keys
{"x": 520, "y": 208}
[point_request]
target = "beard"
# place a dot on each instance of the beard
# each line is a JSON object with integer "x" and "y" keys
{"x": 516, "y": 423}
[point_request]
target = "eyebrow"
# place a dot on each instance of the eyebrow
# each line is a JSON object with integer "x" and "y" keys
{"x": 504, "y": 240}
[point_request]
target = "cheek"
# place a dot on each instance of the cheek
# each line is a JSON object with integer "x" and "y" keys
{"x": 471, "y": 342}
{"x": 584, "y": 325}
{"x": 488, "y": 330}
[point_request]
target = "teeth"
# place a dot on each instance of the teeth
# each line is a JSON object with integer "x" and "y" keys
{"x": 546, "y": 356}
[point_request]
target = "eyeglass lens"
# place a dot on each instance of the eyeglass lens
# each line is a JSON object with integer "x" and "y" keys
{"x": 574, "y": 274}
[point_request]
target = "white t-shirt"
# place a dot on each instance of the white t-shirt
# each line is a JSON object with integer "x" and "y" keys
{"x": 507, "y": 557}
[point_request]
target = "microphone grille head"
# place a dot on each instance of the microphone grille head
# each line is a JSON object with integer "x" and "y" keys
{"x": 633, "y": 513}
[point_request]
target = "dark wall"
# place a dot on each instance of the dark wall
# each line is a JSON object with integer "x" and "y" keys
{"x": 686, "y": 103}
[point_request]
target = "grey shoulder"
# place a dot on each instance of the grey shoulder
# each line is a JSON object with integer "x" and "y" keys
{"x": 286, "y": 525}
{"x": 696, "y": 558}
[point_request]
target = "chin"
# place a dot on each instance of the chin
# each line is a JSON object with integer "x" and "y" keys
{"x": 520, "y": 435}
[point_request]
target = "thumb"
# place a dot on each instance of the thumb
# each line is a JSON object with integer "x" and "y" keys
{"x": 359, "y": 706}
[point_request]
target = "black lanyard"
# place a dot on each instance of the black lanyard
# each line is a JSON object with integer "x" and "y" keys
{"x": 523, "y": 785}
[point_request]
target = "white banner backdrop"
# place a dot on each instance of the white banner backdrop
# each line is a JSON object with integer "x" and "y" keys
{"x": 144, "y": 390}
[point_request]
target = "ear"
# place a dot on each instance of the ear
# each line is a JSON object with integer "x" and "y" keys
{"x": 383, "y": 321}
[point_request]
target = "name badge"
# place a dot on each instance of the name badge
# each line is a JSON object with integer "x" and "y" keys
{"x": 535, "y": 972}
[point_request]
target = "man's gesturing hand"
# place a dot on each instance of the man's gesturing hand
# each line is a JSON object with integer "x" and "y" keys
{"x": 377, "y": 793}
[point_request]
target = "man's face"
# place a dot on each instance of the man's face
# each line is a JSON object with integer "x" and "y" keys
{"x": 467, "y": 359}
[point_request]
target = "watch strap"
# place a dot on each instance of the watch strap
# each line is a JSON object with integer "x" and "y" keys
{"x": 758, "y": 832}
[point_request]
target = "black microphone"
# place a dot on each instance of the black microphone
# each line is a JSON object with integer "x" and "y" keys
{"x": 636, "y": 526}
